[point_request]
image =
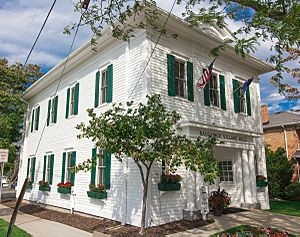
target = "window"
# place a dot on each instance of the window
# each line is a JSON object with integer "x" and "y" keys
{"x": 35, "y": 119}
{"x": 104, "y": 78}
{"x": 214, "y": 90}
{"x": 101, "y": 167}
{"x": 226, "y": 173}
{"x": 31, "y": 169}
{"x": 242, "y": 97}
{"x": 52, "y": 111}
{"x": 100, "y": 170}
{"x": 69, "y": 167}
{"x": 72, "y": 100}
{"x": 47, "y": 170}
{"x": 180, "y": 80}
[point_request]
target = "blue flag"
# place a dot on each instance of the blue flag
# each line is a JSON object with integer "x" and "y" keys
{"x": 246, "y": 85}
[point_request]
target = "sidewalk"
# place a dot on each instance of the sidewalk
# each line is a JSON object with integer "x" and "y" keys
{"x": 252, "y": 217}
{"x": 38, "y": 227}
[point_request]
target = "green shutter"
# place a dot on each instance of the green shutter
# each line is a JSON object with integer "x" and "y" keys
{"x": 63, "y": 167}
{"x": 32, "y": 120}
{"x": 51, "y": 168}
{"x": 37, "y": 118}
{"x": 236, "y": 98}
{"x": 109, "y": 83}
{"x": 33, "y": 169}
{"x": 48, "y": 114}
{"x": 107, "y": 169}
{"x": 73, "y": 163}
{"x": 44, "y": 169}
{"x": 248, "y": 101}
{"x": 206, "y": 93}
{"x": 28, "y": 165}
{"x": 171, "y": 75}
{"x": 93, "y": 168}
{"x": 190, "y": 81}
{"x": 55, "y": 108}
{"x": 97, "y": 84}
{"x": 68, "y": 103}
{"x": 76, "y": 98}
{"x": 222, "y": 92}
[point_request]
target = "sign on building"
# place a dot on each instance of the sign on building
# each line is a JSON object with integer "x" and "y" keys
{"x": 3, "y": 155}
{"x": 204, "y": 202}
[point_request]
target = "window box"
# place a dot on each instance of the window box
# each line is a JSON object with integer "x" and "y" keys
{"x": 64, "y": 190}
{"x": 169, "y": 186}
{"x": 45, "y": 188}
{"x": 98, "y": 195}
{"x": 29, "y": 186}
{"x": 261, "y": 183}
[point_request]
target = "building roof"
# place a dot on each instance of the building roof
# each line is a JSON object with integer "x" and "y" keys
{"x": 211, "y": 34}
{"x": 282, "y": 118}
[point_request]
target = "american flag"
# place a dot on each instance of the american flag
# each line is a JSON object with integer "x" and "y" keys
{"x": 246, "y": 86}
{"x": 206, "y": 76}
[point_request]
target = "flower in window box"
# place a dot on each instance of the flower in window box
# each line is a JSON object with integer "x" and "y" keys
{"x": 170, "y": 178}
{"x": 43, "y": 183}
{"x": 100, "y": 188}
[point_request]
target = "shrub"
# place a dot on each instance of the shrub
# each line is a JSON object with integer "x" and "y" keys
{"x": 292, "y": 192}
{"x": 100, "y": 188}
{"x": 279, "y": 172}
{"x": 170, "y": 178}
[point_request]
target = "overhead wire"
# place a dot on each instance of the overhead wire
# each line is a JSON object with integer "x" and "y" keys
{"x": 59, "y": 81}
{"x": 38, "y": 36}
{"x": 161, "y": 32}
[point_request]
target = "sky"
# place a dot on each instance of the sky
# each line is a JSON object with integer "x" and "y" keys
{"x": 21, "y": 20}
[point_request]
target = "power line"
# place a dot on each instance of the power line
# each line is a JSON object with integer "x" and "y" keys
{"x": 39, "y": 32}
{"x": 161, "y": 32}
{"x": 37, "y": 3}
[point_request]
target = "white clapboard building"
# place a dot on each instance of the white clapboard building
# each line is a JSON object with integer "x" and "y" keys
{"x": 113, "y": 75}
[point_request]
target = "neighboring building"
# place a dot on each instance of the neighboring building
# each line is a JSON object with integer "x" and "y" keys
{"x": 96, "y": 80}
{"x": 282, "y": 129}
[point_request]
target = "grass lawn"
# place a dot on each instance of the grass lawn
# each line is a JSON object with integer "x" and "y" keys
{"x": 17, "y": 232}
{"x": 291, "y": 208}
{"x": 243, "y": 229}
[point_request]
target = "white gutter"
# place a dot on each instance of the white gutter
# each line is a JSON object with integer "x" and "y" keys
{"x": 280, "y": 125}
{"x": 285, "y": 141}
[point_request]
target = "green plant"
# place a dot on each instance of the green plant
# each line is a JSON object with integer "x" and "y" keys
{"x": 100, "y": 188}
{"x": 279, "y": 172}
{"x": 170, "y": 178}
{"x": 219, "y": 199}
{"x": 292, "y": 191}
{"x": 44, "y": 183}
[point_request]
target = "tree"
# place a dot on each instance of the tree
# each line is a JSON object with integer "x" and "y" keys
{"x": 279, "y": 171}
{"x": 14, "y": 79}
{"x": 276, "y": 21}
{"x": 147, "y": 134}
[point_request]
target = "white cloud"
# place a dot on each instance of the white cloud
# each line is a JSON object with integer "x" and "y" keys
{"x": 275, "y": 108}
{"x": 275, "y": 97}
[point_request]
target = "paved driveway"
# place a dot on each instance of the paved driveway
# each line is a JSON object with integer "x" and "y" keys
{"x": 252, "y": 217}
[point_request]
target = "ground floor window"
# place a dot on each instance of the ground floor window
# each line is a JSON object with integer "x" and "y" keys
{"x": 226, "y": 172}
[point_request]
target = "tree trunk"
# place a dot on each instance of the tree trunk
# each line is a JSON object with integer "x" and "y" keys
{"x": 144, "y": 206}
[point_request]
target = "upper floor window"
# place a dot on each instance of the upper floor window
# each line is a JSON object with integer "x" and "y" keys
{"x": 104, "y": 86}
{"x": 226, "y": 171}
{"x": 242, "y": 99}
{"x": 72, "y": 100}
{"x": 214, "y": 91}
{"x": 180, "y": 78}
{"x": 242, "y": 102}
{"x": 35, "y": 117}
{"x": 52, "y": 110}
{"x": 104, "y": 77}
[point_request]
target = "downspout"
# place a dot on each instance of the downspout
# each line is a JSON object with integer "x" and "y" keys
{"x": 285, "y": 141}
